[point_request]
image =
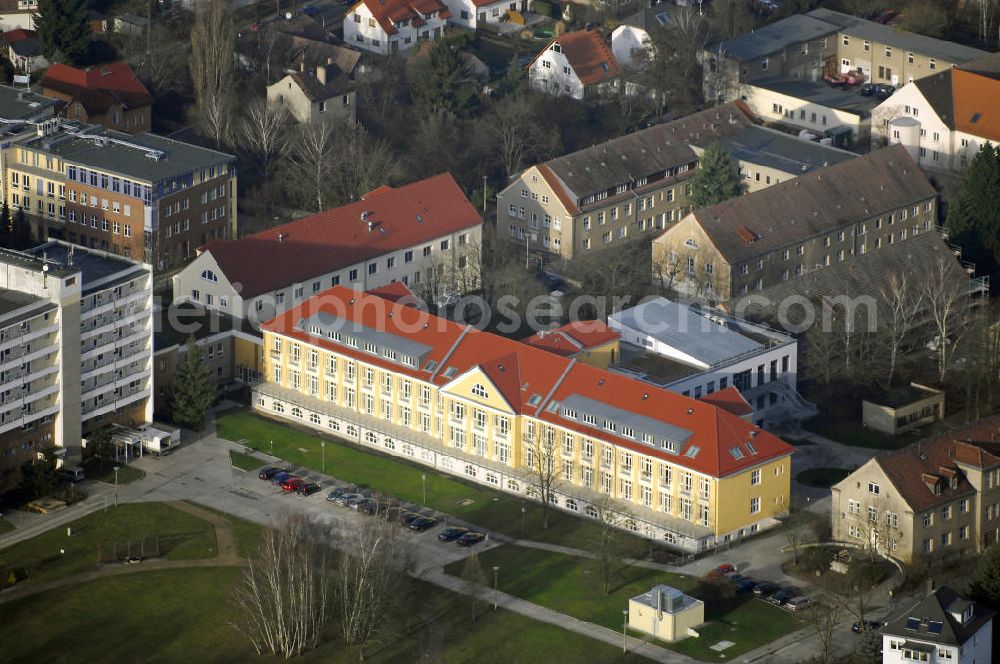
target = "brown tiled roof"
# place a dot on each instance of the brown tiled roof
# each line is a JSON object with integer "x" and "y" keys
{"x": 914, "y": 469}
{"x": 828, "y": 198}
{"x": 588, "y": 55}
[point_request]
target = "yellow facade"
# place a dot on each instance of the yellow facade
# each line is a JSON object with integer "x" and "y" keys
{"x": 469, "y": 414}
{"x": 601, "y": 356}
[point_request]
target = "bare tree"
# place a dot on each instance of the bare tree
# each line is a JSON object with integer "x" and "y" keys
{"x": 947, "y": 303}
{"x": 286, "y": 591}
{"x": 671, "y": 70}
{"x": 363, "y": 163}
{"x": 542, "y": 468}
{"x": 797, "y": 531}
{"x": 900, "y": 303}
{"x": 213, "y": 41}
{"x": 475, "y": 582}
{"x": 823, "y": 619}
{"x": 311, "y": 160}
{"x": 263, "y": 129}
{"x": 881, "y": 117}
{"x": 611, "y": 517}
{"x": 372, "y": 572}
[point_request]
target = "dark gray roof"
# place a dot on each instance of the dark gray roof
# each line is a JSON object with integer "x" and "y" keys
{"x": 885, "y": 34}
{"x": 651, "y": 18}
{"x": 662, "y": 431}
{"x": 865, "y": 274}
{"x": 329, "y": 325}
{"x": 336, "y": 84}
{"x": 11, "y": 301}
{"x": 931, "y": 620}
{"x": 129, "y": 155}
{"x": 645, "y": 152}
{"x": 814, "y": 203}
{"x": 988, "y": 65}
{"x": 936, "y": 90}
{"x": 687, "y": 329}
{"x": 96, "y": 267}
{"x": 18, "y": 104}
{"x": 841, "y": 99}
{"x": 775, "y": 149}
{"x": 29, "y": 261}
{"x": 774, "y": 37}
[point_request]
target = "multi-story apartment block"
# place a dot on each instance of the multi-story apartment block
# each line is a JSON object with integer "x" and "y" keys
{"x": 803, "y": 225}
{"x": 424, "y": 234}
{"x": 825, "y": 42}
{"x": 943, "y": 628}
{"x": 575, "y": 64}
{"x": 944, "y": 119}
{"x": 699, "y": 351}
{"x": 628, "y": 186}
{"x": 934, "y": 500}
{"x": 394, "y": 26}
{"x": 144, "y": 197}
{"x": 76, "y": 343}
{"x": 487, "y": 408}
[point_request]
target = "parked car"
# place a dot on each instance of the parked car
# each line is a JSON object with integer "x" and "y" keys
{"x": 363, "y": 502}
{"x": 292, "y": 484}
{"x": 867, "y": 90}
{"x": 734, "y": 577}
{"x": 721, "y": 571}
{"x": 422, "y": 523}
{"x": 337, "y": 493}
{"x": 269, "y": 472}
{"x": 470, "y": 539}
{"x": 780, "y": 597}
{"x": 797, "y": 603}
{"x": 451, "y": 534}
{"x": 764, "y": 590}
{"x": 278, "y": 478}
{"x": 308, "y": 488}
{"x": 368, "y": 506}
{"x": 745, "y": 585}
{"x": 345, "y": 498}
{"x": 868, "y": 626}
{"x": 357, "y": 500}
{"x": 406, "y": 518}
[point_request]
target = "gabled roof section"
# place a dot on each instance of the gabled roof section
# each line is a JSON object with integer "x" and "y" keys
{"x": 573, "y": 337}
{"x": 390, "y": 12}
{"x": 938, "y": 619}
{"x": 537, "y": 383}
{"x": 794, "y": 210}
{"x": 300, "y": 250}
{"x": 100, "y": 87}
{"x": 730, "y": 400}
{"x": 315, "y": 90}
{"x": 397, "y": 291}
{"x": 588, "y": 55}
{"x": 937, "y": 91}
{"x": 977, "y": 104}
{"x": 774, "y": 38}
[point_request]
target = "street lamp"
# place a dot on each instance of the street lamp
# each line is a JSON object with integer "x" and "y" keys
{"x": 272, "y": 448}
{"x": 484, "y": 193}
{"x": 322, "y": 445}
{"x": 524, "y": 513}
{"x": 423, "y": 481}
{"x": 116, "y": 485}
{"x": 624, "y": 633}
{"x": 496, "y": 586}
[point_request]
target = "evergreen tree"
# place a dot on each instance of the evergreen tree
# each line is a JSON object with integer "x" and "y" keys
{"x": 63, "y": 31}
{"x": 20, "y": 232}
{"x": 194, "y": 389}
{"x": 868, "y": 649}
{"x": 972, "y": 221}
{"x": 715, "y": 180}
{"x": 5, "y": 232}
{"x": 985, "y": 586}
{"x": 442, "y": 81}
{"x": 512, "y": 81}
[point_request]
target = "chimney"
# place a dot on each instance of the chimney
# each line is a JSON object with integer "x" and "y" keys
{"x": 321, "y": 74}
{"x": 302, "y": 64}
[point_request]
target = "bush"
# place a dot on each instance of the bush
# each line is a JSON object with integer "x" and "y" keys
{"x": 544, "y": 9}
{"x": 815, "y": 559}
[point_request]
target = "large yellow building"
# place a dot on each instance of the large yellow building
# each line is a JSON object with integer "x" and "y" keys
{"x": 488, "y": 409}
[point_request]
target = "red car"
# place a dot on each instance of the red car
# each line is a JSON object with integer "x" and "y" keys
{"x": 292, "y": 484}
{"x": 721, "y": 571}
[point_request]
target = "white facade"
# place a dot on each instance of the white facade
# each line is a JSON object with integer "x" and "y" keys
{"x": 362, "y": 30}
{"x": 631, "y": 45}
{"x": 204, "y": 282}
{"x": 976, "y": 650}
{"x": 909, "y": 119}
{"x": 552, "y": 74}
{"x": 775, "y": 106}
{"x": 467, "y": 14}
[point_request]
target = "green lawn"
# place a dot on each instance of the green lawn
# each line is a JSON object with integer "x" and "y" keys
{"x": 488, "y": 509}
{"x": 247, "y": 533}
{"x": 572, "y": 586}
{"x": 821, "y": 478}
{"x": 182, "y": 537}
{"x": 181, "y": 615}
{"x": 106, "y": 473}
{"x": 244, "y": 461}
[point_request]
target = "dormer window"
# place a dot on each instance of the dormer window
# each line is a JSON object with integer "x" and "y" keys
{"x": 556, "y": 47}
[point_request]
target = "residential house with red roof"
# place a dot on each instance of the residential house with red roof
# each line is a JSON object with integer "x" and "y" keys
{"x": 424, "y": 234}
{"x": 473, "y": 14}
{"x": 394, "y": 26}
{"x": 944, "y": 119}
{"x": 935, "y": 500}
{"x": 487, "y": 409}
{"x": 589, "y": 341}
{"x": 575, "y": 64}
{"x": 24, "y": 51}
{"x": 110, "y": 95}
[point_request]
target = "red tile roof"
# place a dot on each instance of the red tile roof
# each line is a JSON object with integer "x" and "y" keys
{"x": 588, "y": 54}
{"x": 729, "y": 399}
{"x": 98, "y": 88}
{"x": 574, "y": 337}
{"x": 914, "y": 469}
{"x": 18, "y": 34}
{"x": 977, "y": 104}
{"x": 390, "y": 12}
{"x": 530, "y": 379}
{"x": 334, "y": 239}
{"x": 397, "y": 291}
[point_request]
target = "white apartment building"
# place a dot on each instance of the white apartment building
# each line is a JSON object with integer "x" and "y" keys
{"x": 698, "y": 351}
{"x": 76, "y": 343}
{"x": 393, "y": 26}
{"x": 425, "y": 234}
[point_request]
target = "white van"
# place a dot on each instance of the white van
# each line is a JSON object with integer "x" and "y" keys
{"x": 71, "y": 473}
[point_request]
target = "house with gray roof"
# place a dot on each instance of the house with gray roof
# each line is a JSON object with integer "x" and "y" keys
{"x": 943, "y": 627}
{"x": 324, "y": 93}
